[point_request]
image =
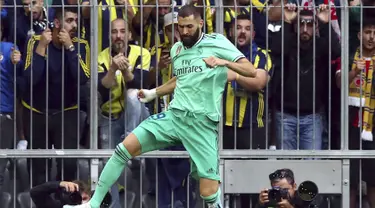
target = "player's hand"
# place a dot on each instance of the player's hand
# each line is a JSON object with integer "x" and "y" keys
{"x": 214, "y": 62}
{"x": 64, "y": 38}
{"x": 146, "y": 96}
{"x": 46, "y": 37}
{"x": 263, "y": 197}
{"x": 285, "y": 204}
{"x": 15, "y": 57}
{"x": 69, "y": 186}
{"x": 361, "y": 65}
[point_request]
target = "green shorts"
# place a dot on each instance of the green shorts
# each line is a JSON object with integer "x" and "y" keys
{"x": 197, "y": 133}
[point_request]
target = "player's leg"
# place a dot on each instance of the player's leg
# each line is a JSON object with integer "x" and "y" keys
{"x": 150, "y": 135}
{"x": 200, "y": 140}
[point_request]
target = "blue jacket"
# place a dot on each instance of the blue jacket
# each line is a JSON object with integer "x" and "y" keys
{"x": 7, "y": 72}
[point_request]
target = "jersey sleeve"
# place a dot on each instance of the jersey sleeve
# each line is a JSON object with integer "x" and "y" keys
{"x": 224, "y": 49}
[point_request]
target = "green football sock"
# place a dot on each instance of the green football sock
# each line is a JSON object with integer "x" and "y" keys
{"x": 110, "y": 174}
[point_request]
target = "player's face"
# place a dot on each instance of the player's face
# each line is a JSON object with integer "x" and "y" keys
{"x": 119, "y": 35}
{"x": 368, "y": 37}
{"x": 243, "y": 30}
{"x": 172, "y": 33}
{"x": 190, "y": 29}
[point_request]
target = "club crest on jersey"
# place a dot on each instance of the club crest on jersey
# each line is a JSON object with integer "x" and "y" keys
{"x": 178, "y": 50}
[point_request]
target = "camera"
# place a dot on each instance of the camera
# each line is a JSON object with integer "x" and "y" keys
{"x": 276, "y": 194}
{"x": 69, "y": 198}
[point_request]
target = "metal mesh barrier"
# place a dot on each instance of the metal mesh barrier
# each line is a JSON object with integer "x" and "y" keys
{"x": 64, "y": 106}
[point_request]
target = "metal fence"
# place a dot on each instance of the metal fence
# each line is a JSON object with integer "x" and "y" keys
{"x": 330, "y": 168}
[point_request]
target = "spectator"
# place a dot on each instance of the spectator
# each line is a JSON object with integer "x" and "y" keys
{"x": 152, "y": 24}
{"x": 65, "y": 75}
{"x": 9, "y": 60}
{"x": 42, "y": 194}
{"x": 302, "y": 105}
{"x": 32, "y": 21}
{"x": 110, "y": 10}
{"x": 120, "y": 73}
{"x": 82, "y": 31}
{"x": 283, "y": 179}
{"x": 360, "y": 100}
{"x": 233, "y": 9}
{"x": 173, "y": 174}
{"x": 249, "y": 92}
{"x": 355, "y": 20}
{"x": 244, "y": 99}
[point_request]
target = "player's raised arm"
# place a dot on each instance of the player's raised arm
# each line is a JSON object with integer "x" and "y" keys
{"x": 228, "y": 55}
{"x": 146, "y": 96}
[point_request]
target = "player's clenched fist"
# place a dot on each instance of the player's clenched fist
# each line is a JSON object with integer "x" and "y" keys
{"x": 15, "y": 57}
{"x": 146, "y": 96}
{"x": 46, "y": 37}
{"x": 214, "y": 62}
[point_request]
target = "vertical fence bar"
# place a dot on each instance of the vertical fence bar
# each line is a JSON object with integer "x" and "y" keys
{"x": 93, "y": 90}
{"x": 219, "y": 21}
{"x": 344, "y": 101}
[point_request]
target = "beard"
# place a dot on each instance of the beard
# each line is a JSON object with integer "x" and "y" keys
{"x": 117, "y": 46}
{"x": 189, "y": 41}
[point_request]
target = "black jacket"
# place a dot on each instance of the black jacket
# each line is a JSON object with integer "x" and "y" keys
{"x": 306, "y": 68}
{"x": 42, "y": 195}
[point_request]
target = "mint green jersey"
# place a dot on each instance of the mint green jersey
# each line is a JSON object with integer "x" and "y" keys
{"x": 199, "y": 89}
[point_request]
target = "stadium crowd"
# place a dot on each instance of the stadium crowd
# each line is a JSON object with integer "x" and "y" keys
{"x": 292, "y": 103}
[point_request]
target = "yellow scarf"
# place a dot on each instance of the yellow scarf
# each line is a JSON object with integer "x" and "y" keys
{"x": 362, "y": 95}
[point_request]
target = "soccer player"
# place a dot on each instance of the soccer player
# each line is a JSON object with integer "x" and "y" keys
{"x": 201, "y": 64}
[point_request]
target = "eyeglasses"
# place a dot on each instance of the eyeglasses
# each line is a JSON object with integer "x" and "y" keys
{"x": 307, "y": 21}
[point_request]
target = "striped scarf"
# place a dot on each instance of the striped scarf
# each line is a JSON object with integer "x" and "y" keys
{"x": 362, "y": 95}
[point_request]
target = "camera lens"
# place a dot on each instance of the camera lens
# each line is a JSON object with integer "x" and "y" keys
{"x": 307, "y": 190}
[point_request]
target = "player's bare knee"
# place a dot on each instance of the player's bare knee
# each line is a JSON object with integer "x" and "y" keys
{"x": 132, "y": 144}
{"x": 208, "y": 187}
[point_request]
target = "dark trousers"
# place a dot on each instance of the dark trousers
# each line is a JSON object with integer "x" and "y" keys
{"x": 6, "y": 141}
{"x": 254, "y": 138}
{"x": 60, "y": 136}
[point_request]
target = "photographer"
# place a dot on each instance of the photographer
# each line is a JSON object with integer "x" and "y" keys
{"x": 71, "y": 193}
{"x": 285, "y": 194}
{"x": 282, "y": 179}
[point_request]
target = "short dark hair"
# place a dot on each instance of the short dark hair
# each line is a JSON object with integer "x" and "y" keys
{"x": 281, "y": 174}
{"x": 241, "y": 17}
{"x": 83, "y": 187}
{"x": 306, "y": 12}
{"x": 189, "y": 9}
{"x": 60, "y": 11}
{"x": 368, "y": 22}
